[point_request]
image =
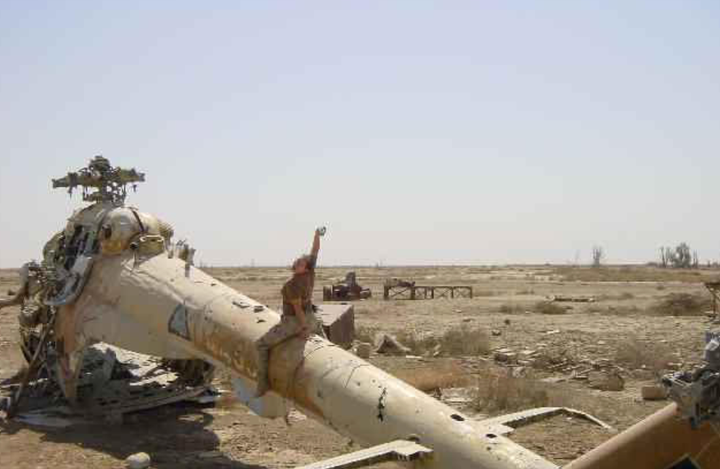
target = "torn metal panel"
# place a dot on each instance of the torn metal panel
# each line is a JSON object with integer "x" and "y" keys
{"x": 142, "y": 382}
{"x": 505, "y": 424}
{"x": 338, "y": 321}
{"x": 400, "y": 450}
{"x": 74, "y": 282}
{"x": 114, "y": 381}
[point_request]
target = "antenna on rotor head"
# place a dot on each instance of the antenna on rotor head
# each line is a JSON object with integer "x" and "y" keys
{"x": 109, "y": 183}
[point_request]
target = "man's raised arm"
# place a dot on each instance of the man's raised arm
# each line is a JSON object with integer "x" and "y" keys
{"x": 316, "y": 241}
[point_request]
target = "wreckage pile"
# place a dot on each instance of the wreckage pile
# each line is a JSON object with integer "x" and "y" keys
{"x": 114, "y": 381}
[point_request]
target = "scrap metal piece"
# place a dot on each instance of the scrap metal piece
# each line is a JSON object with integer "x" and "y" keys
{"x": 697, "y": 393}
{"x": 571, "y": 299}
{"x": 114, "y": 381}
{"x": 506, "y": 424}
{"x": 53, "y": 417}
{"x": 338, "y": 321}
{"x": 117, "y": 381}
{"x": 398, "y": 450}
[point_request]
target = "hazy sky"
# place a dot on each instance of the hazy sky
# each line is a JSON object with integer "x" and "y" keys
{"x": 418, "y": 131}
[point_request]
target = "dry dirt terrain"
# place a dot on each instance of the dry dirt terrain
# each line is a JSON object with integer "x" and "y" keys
{"x": 506, "y": 349}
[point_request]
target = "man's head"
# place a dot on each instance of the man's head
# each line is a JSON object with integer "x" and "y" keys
{"x": 301, "y": 265}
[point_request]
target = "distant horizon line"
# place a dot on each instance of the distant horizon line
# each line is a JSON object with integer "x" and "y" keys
{"x": 376, "y": 266}
{"x": 428, "y": 266}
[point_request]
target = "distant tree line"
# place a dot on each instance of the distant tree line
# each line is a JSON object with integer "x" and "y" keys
{"x": 679, "y": 257}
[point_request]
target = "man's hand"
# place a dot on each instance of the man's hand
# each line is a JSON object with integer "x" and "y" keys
{"x": 304, "y": 332}
{"x": 316, "y": 240}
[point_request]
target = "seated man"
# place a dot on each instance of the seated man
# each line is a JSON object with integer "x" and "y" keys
{"x": 298, "y": 315}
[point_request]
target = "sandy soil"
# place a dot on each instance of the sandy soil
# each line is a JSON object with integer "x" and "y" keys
{"x": 505, "y": 302}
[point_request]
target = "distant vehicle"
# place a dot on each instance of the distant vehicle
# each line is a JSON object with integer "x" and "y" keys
{"x": 348, "y": 290}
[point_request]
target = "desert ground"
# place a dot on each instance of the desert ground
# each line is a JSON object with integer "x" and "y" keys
{"x": 506, "y": 349}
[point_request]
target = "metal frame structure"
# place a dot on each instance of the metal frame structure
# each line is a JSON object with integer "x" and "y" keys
{"x": 426, "y": 292}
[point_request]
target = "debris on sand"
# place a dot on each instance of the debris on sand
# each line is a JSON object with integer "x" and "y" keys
{"x": 653, "y": 392}
{"x": 505, "y": 355}
{"x": 138, "y": 461}
{"x": 363, "y": 350}
{"x": 606, "y": 381}
{"x": 389, "y": 345}
{"x": 572, "y": 299}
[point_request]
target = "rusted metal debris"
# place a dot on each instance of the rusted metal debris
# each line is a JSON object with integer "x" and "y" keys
{"x": 571, "y": 299}
{"x": 114, "y": 381}
{"x": 347, "y": 290}
{"x": 397, "y": 289}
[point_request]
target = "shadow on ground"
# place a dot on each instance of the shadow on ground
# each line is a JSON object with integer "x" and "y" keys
{"x": 175, "y": 436}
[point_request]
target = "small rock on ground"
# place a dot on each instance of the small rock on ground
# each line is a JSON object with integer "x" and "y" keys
{"x": 138, "y": 461}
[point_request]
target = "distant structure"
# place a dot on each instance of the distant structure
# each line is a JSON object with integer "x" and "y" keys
{"x": 398, "y": 289}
